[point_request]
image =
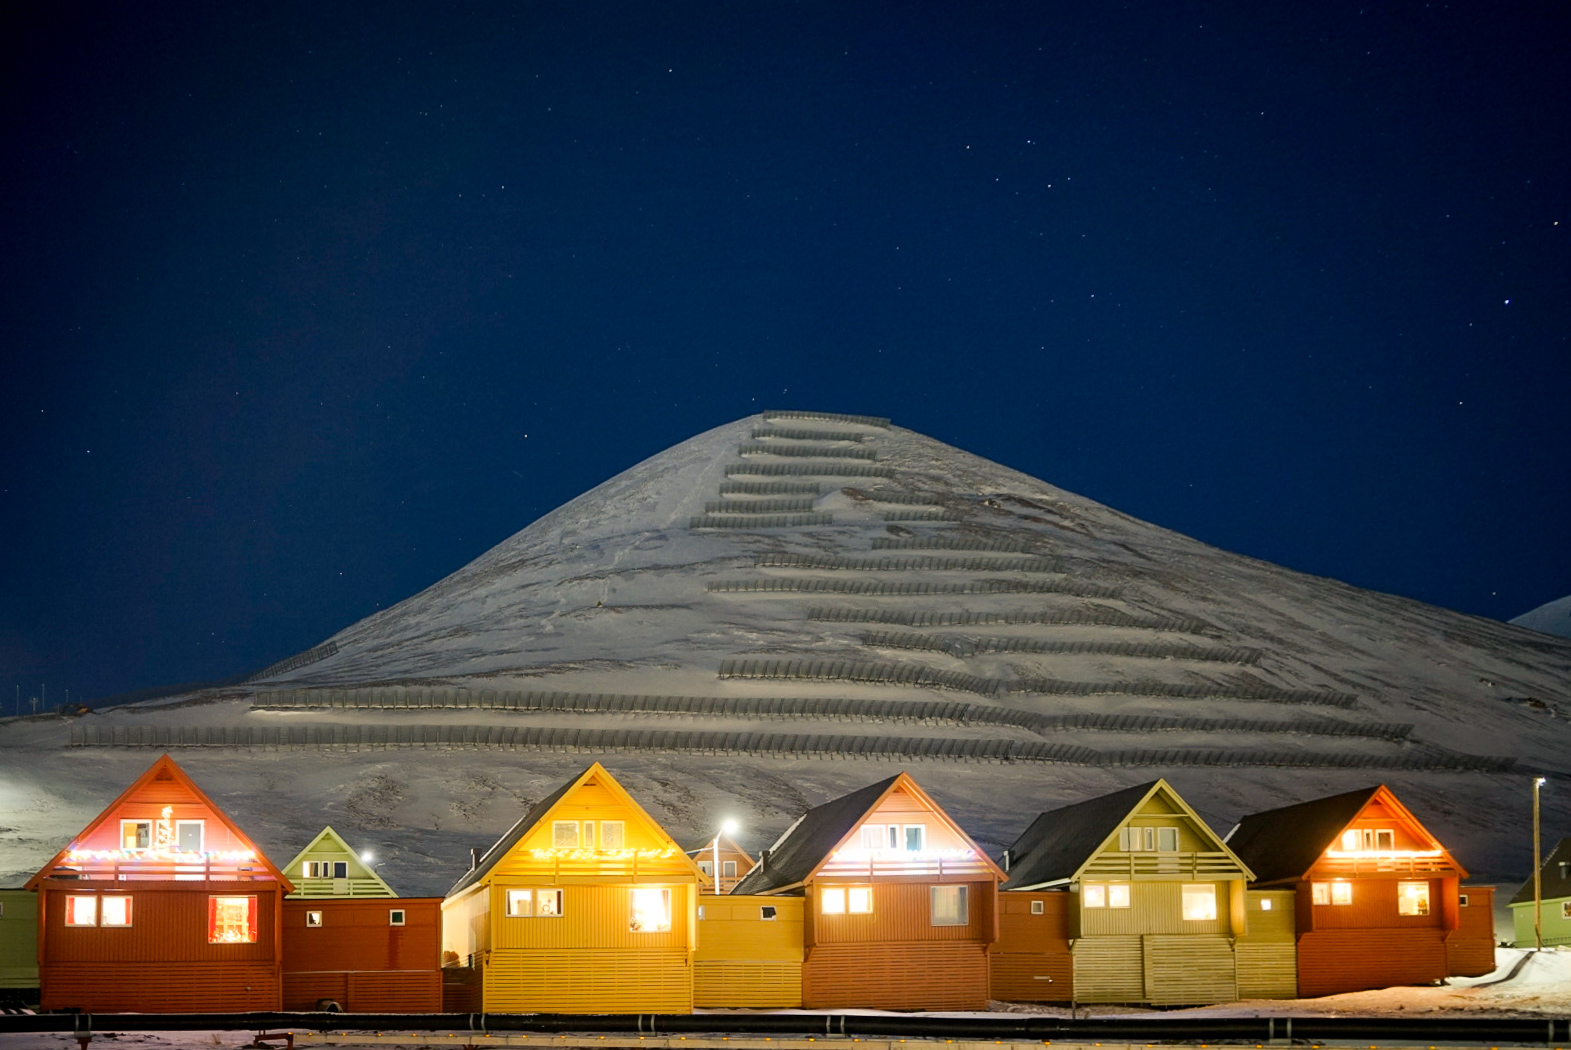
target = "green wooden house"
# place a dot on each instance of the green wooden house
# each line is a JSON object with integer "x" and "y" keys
{"x": 19, "y": 945}
{"x": 1156, "y": 902}
{"x": 329, "y": 868}
{"x": 1554, "y": 893}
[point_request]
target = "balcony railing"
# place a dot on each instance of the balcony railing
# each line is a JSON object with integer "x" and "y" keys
{"x": 1157, "y": 865}
{"x": 129, "y": 869}
{"x": 1384, "y": 864}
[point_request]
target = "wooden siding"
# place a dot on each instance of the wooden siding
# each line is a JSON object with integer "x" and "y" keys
{"x": 902, "y": 912}
{"x": 1470, "y": 948}
{"x": 1188, "y": 970}
{"x": 1031, "y": 961}
{"x": 1274, "y": 924}
{"x": 1374, "y": 906}
{"x": 374, "y": 966}
{"x": 1109, "y": 970}
{"x": 466, "y": 926}
{"x": 462, "y": 989}
{"x": 1556, "y": 926}
{"x": 1154, "y": 908}
{"x": 580, "y": 981}
{"x": 744, "y": 960}
{"x": 18, "y": 939}
{"x": 893, "y": 977}
{"x": 1333, "y": 961}
{"x": 947, "y": 854}
{"x": 1267, "y": 969}
{"x": 168, "y": 924}
{"x": 593, "y": 918}
{"x": 381, "y": 992}
{"x": 161, "y": 987}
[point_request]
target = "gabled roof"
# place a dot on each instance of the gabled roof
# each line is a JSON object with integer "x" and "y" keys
{"x": 1060, "y": 843}
{"x": 818, "y": 833}
{"x": 330, "y": 843}
{"x": 1554, "y": 877}
{"x": 163, "y": 769}
{"x": 1283, "y": 845}
{"x": 542, "y": 809}
{"x": 727, "y": 845}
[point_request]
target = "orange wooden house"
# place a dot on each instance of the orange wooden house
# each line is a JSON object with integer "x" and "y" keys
{"x": 350, "y": 943}
{"x": 1377, "y": 897}
{"x": 900, "y": 903}
{"x": 585, "y": 906}
{"x": 160, "y": 905}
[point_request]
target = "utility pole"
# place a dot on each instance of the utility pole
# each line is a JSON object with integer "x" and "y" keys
{"x": 1538, "y": 878}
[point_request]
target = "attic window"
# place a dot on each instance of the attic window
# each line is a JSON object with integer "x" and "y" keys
{"x": 613, "y": 834}
{"x": 326, "y": 869}
{"x": 728, "y": 869}
{"x": 564, "y": 834}
{"x": 1376, "y": 839}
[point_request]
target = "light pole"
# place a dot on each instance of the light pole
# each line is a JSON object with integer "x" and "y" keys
{"x": 1538, "y": 878}
{"x": 727, "y": 827}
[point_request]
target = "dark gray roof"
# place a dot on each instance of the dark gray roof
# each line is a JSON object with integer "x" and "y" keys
{"x": 811, "y": 839}
{"x": 514, "y": 835}
{"x": 1283, "y": 844}
{"x": 1059, "y": 841}
{"x": 1554, "y": 878}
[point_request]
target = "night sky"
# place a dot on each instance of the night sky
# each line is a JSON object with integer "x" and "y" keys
{"x": 305, "y": 306}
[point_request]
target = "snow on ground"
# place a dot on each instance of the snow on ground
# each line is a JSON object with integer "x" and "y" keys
{"x": 1542, "y": 985}
{"x": 1550, "y": 618}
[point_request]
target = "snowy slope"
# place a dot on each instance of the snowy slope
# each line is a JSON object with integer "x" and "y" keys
{"x": 788, "y": 607}
{"x": 1550, "y": 618}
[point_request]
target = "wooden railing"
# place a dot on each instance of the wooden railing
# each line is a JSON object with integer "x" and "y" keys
{"x": 1376, "y": 865}
{"x": 340, "y": 888}
{"x": 1159, "y": 865}
{"x": 162, "y": 871}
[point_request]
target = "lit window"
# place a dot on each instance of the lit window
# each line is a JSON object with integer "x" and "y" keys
{"x": 548, "y": 904}
{"x": 1565, "y": 909}
{"x": 1385, "y": 839}
{"x": 1341, "y": 893}
{"x": 859, "y": 900}
{"x": 728, "y": 869}
{"x": 115, "y": 911}
{"x": 395, "y": 917}
{"x": 916, "y": 837}
{"x": 136, "y": 834}
{"x": 313, "y": 918}
{"x": 949, "y": 905}
{"x": 564, "y": 834}
{"x": 613, "y": 834}
{"x": 1199, "y": 901}
{"x": 81, "y": 911}
{"x": 1037, "y": 907}
{"x": 188, "y": 836}
{"x": 880, "y": 836}
{"x": 1118, "y": 895}
{"x": 1412, "y": 898}
{"x": 1094, "y": 895}
{"x": 327, "y": 869}
{"x": 1320, "y": 892}
{"x": 650, "y": 911}
{"x": 231, "y": 920}
{"x": 766, "y": 912}
{"x": 832, "y": 901}
{"x": 1265, "y": 904}
{"x": 1351, "y": 840}
{"x": 1167, "y": 839}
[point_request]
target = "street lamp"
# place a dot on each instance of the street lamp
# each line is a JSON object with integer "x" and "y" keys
{"x": 1538, "y": 878}
{"x": 727, "y": 827}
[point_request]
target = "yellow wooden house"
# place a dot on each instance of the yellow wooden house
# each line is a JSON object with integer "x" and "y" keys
{"x": 1155, "y": 903}
{"x": 585, "y": 906}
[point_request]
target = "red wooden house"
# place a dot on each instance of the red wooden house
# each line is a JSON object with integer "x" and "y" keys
{"x": 1378, "y": 899}
{"x": 161, "y": 904}
{"x": 900, "y": 908}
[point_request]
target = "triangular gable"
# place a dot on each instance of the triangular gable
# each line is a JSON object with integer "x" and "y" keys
{"x": 330, "y": 846}
{"x": 1065, "y": 844}
{"x": 1554, "y": 878}
{"x": 596, "y": 776}
{"x": 1288, "y": 844}
{"x": 827, "y": 838}
{"x": 164, "y": 784}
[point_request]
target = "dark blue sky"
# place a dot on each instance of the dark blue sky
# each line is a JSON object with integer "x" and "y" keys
{"x": 304, "y": 307}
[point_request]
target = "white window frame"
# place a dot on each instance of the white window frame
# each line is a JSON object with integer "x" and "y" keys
{"x": 1164, "y": 836}
{"x": 613, "y": 829}
{"x": 728, "y": 869}
{"x": 832, "y": 900}
{"x": 906, "y": 834}
{"x": 124, "y": 824}
{"x": 201, "y": 835}
{"x": 1038, "y": 907}
{"x": 767, "y": 912}
{"x": 559, "y": 828}
{"x": 1105, "y": 895}
{"x": 396, "y": 916}
{"x": 103, "y": 912}
{"x": 313, "y": 919}
{"x": 859, "y": 900}
{"x": 958, "y": 915}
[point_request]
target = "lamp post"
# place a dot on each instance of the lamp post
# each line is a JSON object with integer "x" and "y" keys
{"x": 727, "y": 827}
{"x": 1538, "y": 878}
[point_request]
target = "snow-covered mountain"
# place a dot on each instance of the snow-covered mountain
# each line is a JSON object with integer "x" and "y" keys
{"x": 1550, "y": 618}
{"x": 789, "y": 606}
